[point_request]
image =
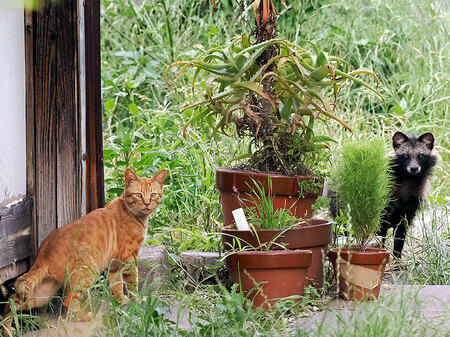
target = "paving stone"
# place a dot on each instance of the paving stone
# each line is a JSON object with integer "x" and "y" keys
{"x": 434, "y": 304}
{"x": 194, "y": 261}
{"x": 182, "y": 316}
{"x": 434, "y": 298}
{"x": 153, "y": 265}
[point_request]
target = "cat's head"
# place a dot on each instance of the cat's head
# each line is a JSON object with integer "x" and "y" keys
{"x": 143, "y": 195}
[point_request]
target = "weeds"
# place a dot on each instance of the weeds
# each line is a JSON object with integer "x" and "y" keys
{"x": 391, "y": 316}
{"x": 429, "y": 258}
{"x": 261, "y": 213}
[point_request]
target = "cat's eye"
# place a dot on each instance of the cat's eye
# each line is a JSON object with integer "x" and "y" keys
{"x": 139, "y": 195}
{"x": 153, "y": 195}
{"x": 421, "y": 156}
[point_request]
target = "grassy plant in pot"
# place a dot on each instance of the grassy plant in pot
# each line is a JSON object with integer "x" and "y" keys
{"x": 362, "y": 182}
{"x": 264, "y": 274}
{"x": 273, "y": 93}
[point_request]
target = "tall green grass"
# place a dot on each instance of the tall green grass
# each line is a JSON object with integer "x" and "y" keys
{"x": 428, "y": 246}
{"x": 208, "y": 311}
{"x": 142, "y": 121}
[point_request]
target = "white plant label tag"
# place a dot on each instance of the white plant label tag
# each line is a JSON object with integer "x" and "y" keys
{"x": 240, "y": 219}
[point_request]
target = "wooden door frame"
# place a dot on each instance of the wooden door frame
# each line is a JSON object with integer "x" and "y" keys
{"x": 63, "y": 124}
{"x": 80, "y": 94}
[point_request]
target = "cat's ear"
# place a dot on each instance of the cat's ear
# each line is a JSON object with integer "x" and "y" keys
{"x": 160, "y": 176}
{"x": 130, "y": 176}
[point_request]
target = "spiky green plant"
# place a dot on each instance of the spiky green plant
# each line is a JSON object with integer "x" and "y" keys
{"x": 273, "y": 91}
{"x": 362, "y": 183}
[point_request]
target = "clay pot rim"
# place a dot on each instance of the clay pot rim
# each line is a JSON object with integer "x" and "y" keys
{"x": 270, "y": 260}
{"x": 227, "y": 180}
{"x": 263, "y": 174}
{"x": 323, "y": 222}
{"x": 355, "y": 250}
{"x": 304, "y": 237}
{"x": 372, "y": 256}
{"x": 273, "y": 252}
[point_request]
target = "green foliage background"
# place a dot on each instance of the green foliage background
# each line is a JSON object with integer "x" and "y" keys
{"x": 406, "y": 44}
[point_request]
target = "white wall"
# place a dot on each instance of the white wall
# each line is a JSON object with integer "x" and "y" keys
{"x": 12, "y": 104}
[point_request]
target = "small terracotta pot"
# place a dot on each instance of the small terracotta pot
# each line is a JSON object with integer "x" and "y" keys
{"x": 359, "y": 274}
{"x": 315, "y": 235}
{"x": 287, "y": 192}
{"x": 268, "y": 276}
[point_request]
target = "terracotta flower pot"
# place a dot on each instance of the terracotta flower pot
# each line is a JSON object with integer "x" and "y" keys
{"x": 359, "y": 274}
{"x": 287, "y": 192}
{"x": 268, "y": 276}
{"x": 314, "y": 236}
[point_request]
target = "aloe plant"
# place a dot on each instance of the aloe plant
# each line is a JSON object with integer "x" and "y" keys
{"x": 272, "y": 91}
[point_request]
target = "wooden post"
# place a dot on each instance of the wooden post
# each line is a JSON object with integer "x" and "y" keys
{"x": 45, "y": 94}
{"x": 95, "y": 195}
{"x": 54, "y": 127}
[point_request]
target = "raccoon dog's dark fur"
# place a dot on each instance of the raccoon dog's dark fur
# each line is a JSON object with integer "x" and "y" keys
{"x": 413, "y": 164}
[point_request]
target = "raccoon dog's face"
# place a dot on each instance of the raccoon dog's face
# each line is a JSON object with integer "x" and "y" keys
{"x": 413, "y": 153}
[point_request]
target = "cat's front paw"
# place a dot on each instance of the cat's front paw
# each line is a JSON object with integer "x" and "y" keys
{"x": 86, "y": 317}
{"x": 7, "y": 332}
{"x": 132, "y": 295}
{"x": 121, "y": 298}
{"x": 83, "y": 317}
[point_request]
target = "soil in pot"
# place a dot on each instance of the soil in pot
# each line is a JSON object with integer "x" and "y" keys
{"x": 269, "y": 276}
{"x": 359, "y": 274}
{"x": 297, "y": 194}
{"x": 315, "y": 235}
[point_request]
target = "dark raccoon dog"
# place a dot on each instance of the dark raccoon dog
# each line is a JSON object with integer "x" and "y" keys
{"x": 413, "y": 163}
{"x": 412, "y": 166}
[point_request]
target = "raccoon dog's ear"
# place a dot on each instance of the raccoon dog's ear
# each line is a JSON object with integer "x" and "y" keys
{"x": 427, "y": 139}
{"x": 398, "y": 139}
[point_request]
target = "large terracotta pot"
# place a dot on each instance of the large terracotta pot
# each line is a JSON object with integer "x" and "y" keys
{"x": 236, "y": 191}
{"x": 268, "y": 276}
{"x": 359, "y": 274}
{"x": 315, "y": 235}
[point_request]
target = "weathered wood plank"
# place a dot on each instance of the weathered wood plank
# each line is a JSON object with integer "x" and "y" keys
{"x": 95, "y": 196}
{"x": 53, "y": 140}
{"x": 13, "y": 270}
{"x": 68, "y": 153}
{"x": 45, "y": 79}
{"x": 15, "y": 228}
{"x": 29, "y": 113}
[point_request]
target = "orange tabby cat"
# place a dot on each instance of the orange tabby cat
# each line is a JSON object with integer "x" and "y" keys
{"x": 109, "y": 237}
